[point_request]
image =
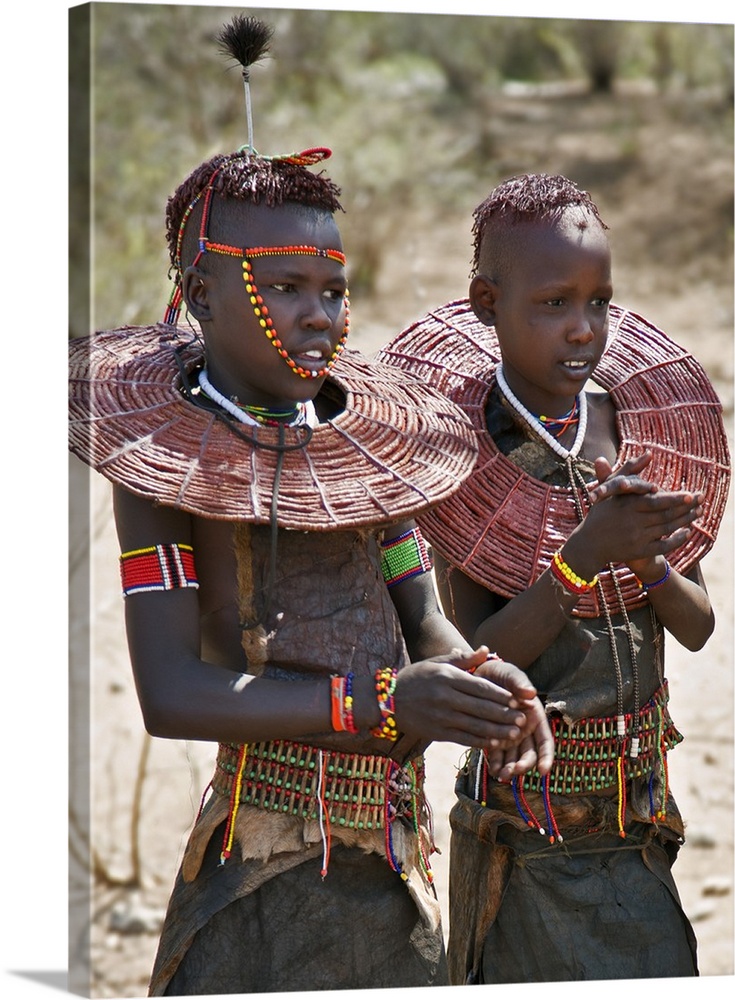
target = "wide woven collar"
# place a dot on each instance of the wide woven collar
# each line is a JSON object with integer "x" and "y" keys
{"x": 397, "y": 448}
{"x": 502, "y": 527}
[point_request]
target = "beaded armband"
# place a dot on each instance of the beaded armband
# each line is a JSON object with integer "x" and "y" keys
{"x": 158, "y": 567}
{"x": 385, "y": 686}
{"x": 404, "y": 556}
{"x": 568, "y": 578}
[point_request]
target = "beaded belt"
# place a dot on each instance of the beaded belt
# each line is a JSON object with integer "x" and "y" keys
{"x": 356, "y": 790}
{"x": 586, "y": 753}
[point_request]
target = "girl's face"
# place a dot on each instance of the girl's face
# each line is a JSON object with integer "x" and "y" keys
{"x": 304, "y": 295}
{"x": 550, "y": 310}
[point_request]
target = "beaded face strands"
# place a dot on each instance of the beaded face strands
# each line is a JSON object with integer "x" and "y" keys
{"x": 246, "y": 40}
{"x": 261, "y": 309}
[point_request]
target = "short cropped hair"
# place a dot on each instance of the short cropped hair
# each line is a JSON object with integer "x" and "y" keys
{"x": 525, "y": 198}
{"x": 247, "y": 177}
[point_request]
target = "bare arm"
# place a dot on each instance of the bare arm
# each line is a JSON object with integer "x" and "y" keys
{"x": 426, "y": 630}
{"x": 429, "y": 633}
{"x": 186, "y": 696}
{"x": 182, "y": 695}
{"x": 681, "y": 602}
{"x": 503, "y": 626}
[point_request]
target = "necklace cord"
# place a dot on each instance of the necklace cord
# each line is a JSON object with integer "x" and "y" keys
{"x": 304, "y": 433}
{"x": 578, "y": 485}
{"x": 268, "y": 593}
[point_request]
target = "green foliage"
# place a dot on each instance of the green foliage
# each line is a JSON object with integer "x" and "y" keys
{"x": 409, "y": 104}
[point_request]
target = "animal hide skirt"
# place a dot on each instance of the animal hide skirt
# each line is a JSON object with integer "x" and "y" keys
{"x": 267, "y": 921}
{"x": 594, "y": 906}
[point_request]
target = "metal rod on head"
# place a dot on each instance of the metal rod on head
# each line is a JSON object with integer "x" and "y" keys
{"x": 248, "y": 108}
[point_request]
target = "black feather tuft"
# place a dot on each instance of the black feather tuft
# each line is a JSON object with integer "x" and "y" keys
{"x": 245, "y": 39}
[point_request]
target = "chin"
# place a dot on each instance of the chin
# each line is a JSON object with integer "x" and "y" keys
{"x": 306, "y": 391}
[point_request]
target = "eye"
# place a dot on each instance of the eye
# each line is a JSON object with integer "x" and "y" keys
{"x": 282, "y": 286}
{"x": 601, "y": 303}
{"x": 334, "y": 294}
{"x": 555, "y": 303}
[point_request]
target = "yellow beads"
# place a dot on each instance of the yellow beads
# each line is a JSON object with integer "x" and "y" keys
{"x": 571, "y": 580}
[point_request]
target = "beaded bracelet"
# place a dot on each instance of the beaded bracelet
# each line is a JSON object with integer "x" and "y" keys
{"x": 348, "y": 703}
{"x": 568, "y": 578}
{"x": 656, "y": 583}
{"x": 385, "y": 686}
{"x": 343, "y": 720}
{"x": 490, "y": 656}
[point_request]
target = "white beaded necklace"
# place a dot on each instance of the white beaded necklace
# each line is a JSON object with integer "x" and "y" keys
{"x": 305, "y": 414}
{"x": 538, "y": 427}
{"x": 574, "y": 475}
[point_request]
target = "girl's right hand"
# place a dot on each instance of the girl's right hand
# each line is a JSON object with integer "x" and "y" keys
{"x": 440, "y": 700}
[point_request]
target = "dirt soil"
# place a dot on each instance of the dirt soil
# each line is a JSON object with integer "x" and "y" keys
{"x": 668, "y": 199}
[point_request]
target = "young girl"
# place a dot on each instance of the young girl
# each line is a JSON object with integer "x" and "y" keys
{"x": 560, "y": 556}
{"x": 278, "y": 595}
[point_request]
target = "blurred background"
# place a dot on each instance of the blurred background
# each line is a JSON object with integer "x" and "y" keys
{"x": 425, "y": 113}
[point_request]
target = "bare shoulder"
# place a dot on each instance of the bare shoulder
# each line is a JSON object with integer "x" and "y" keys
{"x": 602, "y": 436}
{"x": 141, "y": 522}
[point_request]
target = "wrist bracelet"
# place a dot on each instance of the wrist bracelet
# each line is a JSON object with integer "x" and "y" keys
{"x": 488, "y": 658}
{"x": 385, "y": 686}
{"x": 656, "y": 583}
{"x": 343, "y": 720}
{"x": 348, "y": 703}
{"x": 568, "y": 578}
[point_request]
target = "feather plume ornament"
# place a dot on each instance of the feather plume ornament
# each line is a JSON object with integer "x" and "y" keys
{"x": 246, "y": 39}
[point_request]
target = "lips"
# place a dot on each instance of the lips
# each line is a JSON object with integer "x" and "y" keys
{"x": 577, "y": 366}
{"x": 313, "y": 359}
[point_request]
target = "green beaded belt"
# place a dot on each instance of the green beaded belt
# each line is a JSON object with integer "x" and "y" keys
{"x": 357, "y": 790}
{"x": 586, "y": 752}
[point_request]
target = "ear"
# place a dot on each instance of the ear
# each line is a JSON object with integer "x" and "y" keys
{"x": 483, "y": 296}
{"x": 194, "y": 291}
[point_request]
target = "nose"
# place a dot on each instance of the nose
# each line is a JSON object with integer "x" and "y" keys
{"x": 315, "y": 315}
{"x": 580, "y": 330}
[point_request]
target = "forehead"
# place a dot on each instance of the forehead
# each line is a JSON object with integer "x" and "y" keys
{"x": 554, "y": 246}
{"x": 289, "y": 224}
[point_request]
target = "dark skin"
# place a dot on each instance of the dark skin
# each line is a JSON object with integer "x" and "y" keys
{"x": 550, "y": 314}
{"x": 188, "y": 663}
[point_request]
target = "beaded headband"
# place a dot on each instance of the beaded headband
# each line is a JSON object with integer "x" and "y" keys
{"x": 260, "y": 309}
